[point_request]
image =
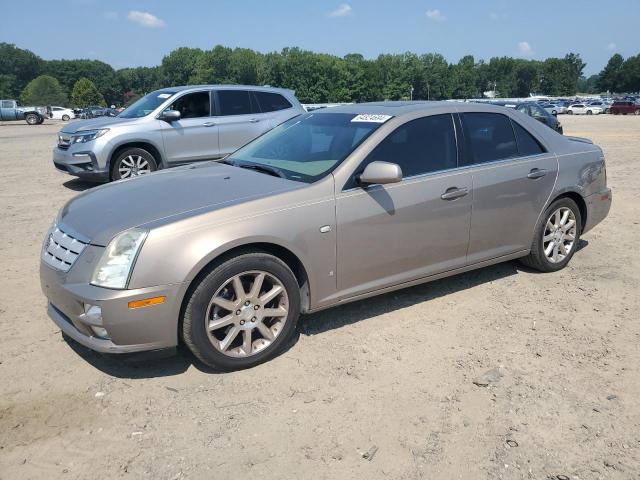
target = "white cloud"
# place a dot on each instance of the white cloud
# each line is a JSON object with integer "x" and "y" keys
{"x": 342, "y": 11}
{"x": 525, "y": 49}
{"x": 435, "y": 15}
{"x": 612, "y": 46}
{"x": 145, "y": 19}
{"x": 110, "y": 15}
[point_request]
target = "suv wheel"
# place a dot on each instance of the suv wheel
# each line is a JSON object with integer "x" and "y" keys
{"x": 242, "y": 312}
{"x": 556, "y": 237}
{"x": 133, "y": 162}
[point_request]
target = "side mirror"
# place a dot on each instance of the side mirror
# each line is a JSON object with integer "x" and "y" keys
{"x": 170, "y": 116}
{"x": 380, "y": 173}
{"x": 555, "y": 114}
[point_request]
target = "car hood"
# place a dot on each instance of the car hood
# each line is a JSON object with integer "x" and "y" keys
{"x": 95, "y": 123}
{"x": 101, "y": 213}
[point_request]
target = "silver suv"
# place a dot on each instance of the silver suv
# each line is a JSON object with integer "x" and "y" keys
{"x": 170, "y": 127}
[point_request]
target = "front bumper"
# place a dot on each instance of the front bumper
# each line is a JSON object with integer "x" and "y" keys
{"x": 129, "y": 330}
{"x": 82, "y": 164}
{"x": 598, "y": 206}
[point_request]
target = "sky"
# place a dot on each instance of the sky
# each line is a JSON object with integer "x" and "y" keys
{"x": 140, "y": 32}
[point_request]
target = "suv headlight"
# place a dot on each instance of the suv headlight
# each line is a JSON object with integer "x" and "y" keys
{"x": 115, "y": 265}
{"x": 88, "y": 135}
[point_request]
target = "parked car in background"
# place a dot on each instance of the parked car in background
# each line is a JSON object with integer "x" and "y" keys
{"x": 11, "y": 111}
{"x": 61, "y": 113}
{"x": 536, "y": 111}
{"x": 333, "y": 206}
{"x": 94, "y": 112}
{"x": 583, "y": 109}
{"x": 554, "y": 109}
{"x": 605, "y": 106}
{"x": 623, "y": 107}
{"x": 171, "y": 127}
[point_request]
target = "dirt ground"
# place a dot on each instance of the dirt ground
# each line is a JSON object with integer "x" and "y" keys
{"x": 381, "y": 388}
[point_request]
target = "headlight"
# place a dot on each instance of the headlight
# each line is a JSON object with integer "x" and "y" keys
{"x": 115, "y": 265}
{"x": 88, "y": 135}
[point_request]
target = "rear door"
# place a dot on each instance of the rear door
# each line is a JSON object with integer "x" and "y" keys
{"x": 513, "y": 176}
{"x": 239, "y": 119}
{"x": 195, "y": 136}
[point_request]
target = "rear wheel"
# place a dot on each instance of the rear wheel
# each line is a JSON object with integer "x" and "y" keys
{"x": 242, "y": 312}
{"x": 65, "y": 118}
{"x": 556, "y": 237}
{"x": 31, "y": 118}
{"x": 570, "y": 112}
{"x": 637, "y": 112}
{"x": 133, "y": 162}
{"x": 589, "y": 112}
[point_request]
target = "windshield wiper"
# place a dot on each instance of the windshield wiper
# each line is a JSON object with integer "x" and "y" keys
{"x": 261, "y": 168}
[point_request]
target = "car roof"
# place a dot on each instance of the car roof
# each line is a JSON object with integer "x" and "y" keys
{"x": 400, "y": 108}
{"x": 182, "y": 88}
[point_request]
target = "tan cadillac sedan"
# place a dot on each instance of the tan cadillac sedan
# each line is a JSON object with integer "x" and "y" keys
{"x": 329, "y": 207}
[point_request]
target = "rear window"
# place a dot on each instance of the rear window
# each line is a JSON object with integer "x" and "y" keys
{"x": 527, "y": 144}
{"x": 489, "y": 137}
{"x": 271, "y": 102}
{"x": 234, "y": 102}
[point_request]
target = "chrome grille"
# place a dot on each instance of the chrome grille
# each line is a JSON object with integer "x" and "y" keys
{"x": 61, "y": 250}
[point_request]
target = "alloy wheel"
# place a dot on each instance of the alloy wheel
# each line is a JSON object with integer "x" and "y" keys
{"x": 559, "y": 235}
{"x": 247, "y": 313}
{"x": 132, "y": 166}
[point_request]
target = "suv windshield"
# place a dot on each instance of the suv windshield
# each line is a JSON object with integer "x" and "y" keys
{"x": 308, "y": 147}
{"x": 145, "y": 105}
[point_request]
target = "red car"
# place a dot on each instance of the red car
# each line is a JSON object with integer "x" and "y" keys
{"x": 624, "y": 107}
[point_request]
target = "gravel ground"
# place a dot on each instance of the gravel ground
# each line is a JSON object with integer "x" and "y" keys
{"x": 381, "y": 388}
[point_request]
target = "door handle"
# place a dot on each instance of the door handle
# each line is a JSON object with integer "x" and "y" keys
{"x": 536, "y": 173}
{"x": 209, "y": 124}
{"x": 453, "y": 193}
{"x": 254, "y": 120}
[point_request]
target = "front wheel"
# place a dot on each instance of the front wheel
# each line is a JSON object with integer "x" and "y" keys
{"x": 637, "y": 112}
{"x": 242, "y": 312}
{"x": 31, "y": 119}
{"x": 589, "y": 112}
{"x": 570, "y": 112}
{"x": 65, "y": 118}
{"x": 132, "y": 163}
{"x": 556, "y": 237}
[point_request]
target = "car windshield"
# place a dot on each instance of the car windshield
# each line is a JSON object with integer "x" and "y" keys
{"x": 308, "y": 147}
{"x": 147, "y": 104}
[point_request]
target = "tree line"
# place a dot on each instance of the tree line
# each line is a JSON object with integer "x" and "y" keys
{"x": 315, "y": 77}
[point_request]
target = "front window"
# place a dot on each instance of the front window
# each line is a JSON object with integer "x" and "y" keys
{"x": 308, "y": 147}
{"x": 146, "y": 105}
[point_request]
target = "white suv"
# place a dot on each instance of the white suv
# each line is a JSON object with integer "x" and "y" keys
{"x": 170, "y": 127}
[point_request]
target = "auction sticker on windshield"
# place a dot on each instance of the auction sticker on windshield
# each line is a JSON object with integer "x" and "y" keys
{"x": 371, "y": 118}
{"x": 164, "y": 95}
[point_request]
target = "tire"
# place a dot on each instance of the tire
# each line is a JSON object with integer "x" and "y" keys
{"x": 589, "y": 112}
{"x": 31, "y": 119}
{"x": 243, "y": 350}
{"x": 569, "y": 112}
{"x": 135, "y": 161}
{"x": 537, "y": 258}
{"x": 65, "y": 118}
{"x": 637, "y": 112}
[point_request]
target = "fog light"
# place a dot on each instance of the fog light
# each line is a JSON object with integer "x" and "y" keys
{"x": 100, "y": 332}
{"x": 92, "y": 314}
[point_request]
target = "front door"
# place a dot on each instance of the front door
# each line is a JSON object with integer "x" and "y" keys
{"x": 195, "y": 136}
{"x": 390, "y": 234}
{"x": 513, "y": 177}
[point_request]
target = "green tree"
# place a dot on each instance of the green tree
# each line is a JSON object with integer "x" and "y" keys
{"x": 180, "y": 65}
{"x": 17, "y": 68}
{"x": 103, "y": 76}
{"x": 85, "y": 93}
{"x": 44, "y": 90}
{"x": 464, "y": 78}
{"x": 630, "y": 75}
{"x": 609, "y": 80}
